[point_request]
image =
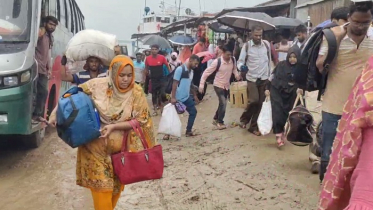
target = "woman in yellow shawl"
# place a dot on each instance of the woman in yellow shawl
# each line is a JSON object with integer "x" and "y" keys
{"x": 118, "y": 100}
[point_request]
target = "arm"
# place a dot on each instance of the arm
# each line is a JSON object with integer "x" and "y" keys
{"x": 67, "y": 77}
{"x": 195, "y": 50}
{"x": 274, "y": 54}
{"x": 177, "y": 76}
{"x": 168, "y": 65}
{"x": 322, "y": 55}
{"x": 241, "y": 60}
{"x": 41, "y": 32}
{"x": 208, "y": 72}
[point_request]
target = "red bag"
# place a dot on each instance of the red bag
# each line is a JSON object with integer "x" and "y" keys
{"x": 132, "y": 167}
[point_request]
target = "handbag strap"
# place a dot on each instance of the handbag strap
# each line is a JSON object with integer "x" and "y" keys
{"x": 299, "y": 98}
{"x": 137, "y": 129}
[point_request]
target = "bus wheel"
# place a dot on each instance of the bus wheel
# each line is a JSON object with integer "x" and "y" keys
{"x": 35, "y": 139}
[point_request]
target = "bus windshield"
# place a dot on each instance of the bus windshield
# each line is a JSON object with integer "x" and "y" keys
{"x": 15, "y": 20}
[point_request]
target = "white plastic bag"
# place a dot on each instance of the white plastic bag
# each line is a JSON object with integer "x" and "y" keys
{"x": 170, "y": 123}
{"x": 265, "y": 118}
{"x": 90, "y": 42}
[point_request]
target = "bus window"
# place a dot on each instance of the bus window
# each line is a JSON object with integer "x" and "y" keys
{"x": 67, "y": 8}
{"x": 59, "y": 10}
{"x": 16, "y": 8}
{"x": 71, "y": 14}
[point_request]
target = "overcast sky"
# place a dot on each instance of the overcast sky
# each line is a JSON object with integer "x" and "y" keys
{"x": 121, "y": 17}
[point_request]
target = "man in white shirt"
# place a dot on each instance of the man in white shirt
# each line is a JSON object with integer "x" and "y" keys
{"x": 254, "y": 64}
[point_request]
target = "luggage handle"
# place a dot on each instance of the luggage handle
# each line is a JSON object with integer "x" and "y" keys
{"x": 137, "y": 129}
{"x": 71, "y": 117}
{"x": 299, "y": 98}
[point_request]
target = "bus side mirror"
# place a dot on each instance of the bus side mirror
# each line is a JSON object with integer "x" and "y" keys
{"x": 16, "y": 8}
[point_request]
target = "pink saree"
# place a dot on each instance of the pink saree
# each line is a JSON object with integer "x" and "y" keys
{"x": 347, "y": 185}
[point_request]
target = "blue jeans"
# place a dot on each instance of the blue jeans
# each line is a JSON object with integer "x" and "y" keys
{"x": 191, "y": 109}
{"x": 329, "y": 131}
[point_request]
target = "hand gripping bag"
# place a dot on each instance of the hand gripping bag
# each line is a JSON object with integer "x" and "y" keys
{"x": 94, "y": 43}
{"x": 77, "y": 121}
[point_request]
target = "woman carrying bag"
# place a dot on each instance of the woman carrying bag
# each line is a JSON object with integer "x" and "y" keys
{"x": 124, "y": 115}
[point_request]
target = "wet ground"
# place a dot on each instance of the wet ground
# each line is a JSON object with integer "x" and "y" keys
{"x": 217, "y": 170}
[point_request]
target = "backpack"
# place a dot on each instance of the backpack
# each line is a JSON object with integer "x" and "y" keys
{"x": 306, "y": 74}
{"x": 78, "y": 122}
{"x": 170, "y": 79}
{"x": 211, "y": 78}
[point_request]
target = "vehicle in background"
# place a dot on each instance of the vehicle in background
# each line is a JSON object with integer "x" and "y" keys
{"x": 19, "y": 26}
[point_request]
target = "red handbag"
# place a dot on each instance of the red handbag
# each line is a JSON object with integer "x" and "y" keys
{"x": 132, "y": 167}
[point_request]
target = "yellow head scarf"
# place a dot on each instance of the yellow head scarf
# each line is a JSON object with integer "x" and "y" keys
{"x": 116, "y": 67}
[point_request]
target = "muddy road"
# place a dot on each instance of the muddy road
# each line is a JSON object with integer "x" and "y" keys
{"x": 217, "y": 170}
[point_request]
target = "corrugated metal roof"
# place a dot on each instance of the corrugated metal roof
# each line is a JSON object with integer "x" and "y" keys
{"x": 309, "y": 3}
{"x": 273, "y": 3}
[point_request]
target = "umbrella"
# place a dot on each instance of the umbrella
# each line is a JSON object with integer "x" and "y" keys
{"x": 219, "y": 28}
{"x": 155, "y": 39}
{"x": 207, "y": 56}
{"x": 286, "y": 23}
{"x": 246, "y": 20}
{"x": 182, "y": 40}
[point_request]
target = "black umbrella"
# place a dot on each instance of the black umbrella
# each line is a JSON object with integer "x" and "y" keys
{"x": 286, "y": 23}
{"x": 246, "y": 20}
{"x": 156, "y": 39}
{"x": 220, "y": 28}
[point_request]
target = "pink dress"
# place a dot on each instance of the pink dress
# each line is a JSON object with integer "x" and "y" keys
{"x": 348, "y": 183}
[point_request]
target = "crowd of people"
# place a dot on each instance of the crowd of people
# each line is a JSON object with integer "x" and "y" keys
{"x": 342, "y": 157}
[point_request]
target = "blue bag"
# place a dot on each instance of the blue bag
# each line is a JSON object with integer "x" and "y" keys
{"x": 78, "y": 122}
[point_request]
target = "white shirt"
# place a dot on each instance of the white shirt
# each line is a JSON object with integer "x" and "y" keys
{"x": 258, "y": 61}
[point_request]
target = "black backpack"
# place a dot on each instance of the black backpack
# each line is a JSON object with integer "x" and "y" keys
{"x": 307, "y": 75}
{"x": 211, "y": 78}
{"x": 170, "y": 78}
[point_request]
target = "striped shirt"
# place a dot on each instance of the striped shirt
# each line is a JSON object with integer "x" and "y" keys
{"x": 84, "y": 76}
{"x": 344, "y": 70}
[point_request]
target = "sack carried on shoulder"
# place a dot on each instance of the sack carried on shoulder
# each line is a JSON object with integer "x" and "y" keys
{"x": 132, "y": 167}
{"x": 299, "y": 124}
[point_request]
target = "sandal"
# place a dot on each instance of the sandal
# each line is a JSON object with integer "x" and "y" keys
{"x": 221, "y": 126}
{"x": 280, "y": 142}
{"x": 190, "y": 134}
{"x": 243, "y": 125}
{"x": 155, "y": 113}
{"x": 215, "y": 122}
{"x": 166, "y": 137}
{"x": 256, "y": 133}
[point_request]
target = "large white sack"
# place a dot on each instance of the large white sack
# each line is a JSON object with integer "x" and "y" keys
{"x": 90, "y": 42}
{"x": 170, "y": 123}
{"x": 265, "y": 118}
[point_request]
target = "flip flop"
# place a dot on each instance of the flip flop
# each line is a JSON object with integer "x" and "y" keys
{"x": 191, "y": 134}
{"x": 166, "y": 137}
{"x": 256, "y": 133}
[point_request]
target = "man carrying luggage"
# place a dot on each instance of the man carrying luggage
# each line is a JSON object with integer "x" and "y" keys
{"x": 93, "y": 69}
{"x": 254, "y": 64}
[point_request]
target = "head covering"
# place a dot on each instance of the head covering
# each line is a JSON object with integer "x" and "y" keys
{"x": 116, "y": 66}
{"x": 293, "y": 50}
{"x": 174, "y": 54}
{"x": 113, "y": 103}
